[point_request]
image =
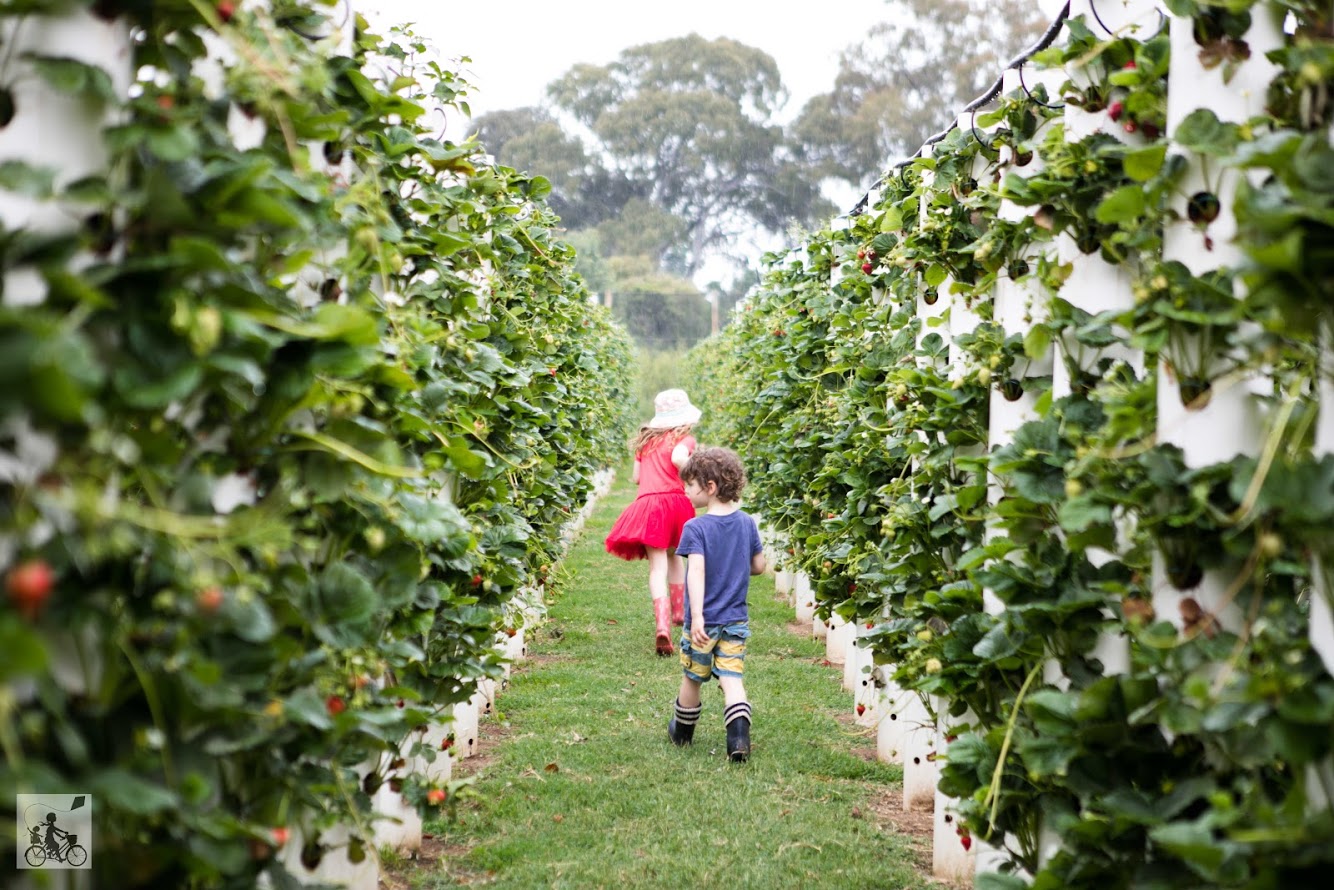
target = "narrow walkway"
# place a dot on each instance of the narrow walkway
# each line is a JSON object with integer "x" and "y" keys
{"x": 578, "y": 787}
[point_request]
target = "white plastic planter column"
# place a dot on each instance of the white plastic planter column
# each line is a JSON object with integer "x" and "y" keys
{"x": 836, "y": 642}
{"x": 465, "y": 727}
{"x": 805, "y": 598}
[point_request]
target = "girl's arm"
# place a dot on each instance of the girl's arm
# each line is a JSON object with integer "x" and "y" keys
{"x": 634, "y": 474}
{"x": 680, "y": 454}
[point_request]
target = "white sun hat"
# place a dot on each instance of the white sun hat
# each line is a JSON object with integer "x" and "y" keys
{"x": 673, "y": 409}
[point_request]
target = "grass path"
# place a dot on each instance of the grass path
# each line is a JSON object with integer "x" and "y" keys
{"x": 578, "y": 787}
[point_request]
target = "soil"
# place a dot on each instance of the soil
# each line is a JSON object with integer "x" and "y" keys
{"x": 885, "y": 808}
{"x": 435, "y": 855}
{"x": 917, "y": 824}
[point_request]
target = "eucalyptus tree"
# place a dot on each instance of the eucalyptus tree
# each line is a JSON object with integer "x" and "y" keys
{"x": 907, "y": 79}
{"x": 584, "y": 192}
{"x": 689, "y": 124}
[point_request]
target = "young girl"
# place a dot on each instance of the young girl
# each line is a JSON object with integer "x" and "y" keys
{"x": 650, "y": 527}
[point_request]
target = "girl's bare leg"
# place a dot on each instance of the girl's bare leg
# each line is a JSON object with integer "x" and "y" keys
{"x": 676, "y": 568}
{"x": 659, "y": 567}
{"x": 662, "y": 610}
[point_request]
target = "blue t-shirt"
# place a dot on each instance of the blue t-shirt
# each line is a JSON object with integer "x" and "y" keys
{"x": 727, "y": 543}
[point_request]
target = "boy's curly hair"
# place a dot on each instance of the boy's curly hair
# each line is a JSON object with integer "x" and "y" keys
{"x": 719, "y": 465}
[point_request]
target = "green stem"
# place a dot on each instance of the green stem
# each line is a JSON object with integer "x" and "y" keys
{"x": 1266, "y": 457}
{"x": 993, "y": 792}
{"x": 9, "y": 740}
{"x": 155, "y": 708}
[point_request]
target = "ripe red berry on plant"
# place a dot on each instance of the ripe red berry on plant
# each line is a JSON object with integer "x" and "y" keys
{"x": 29, "y": 586}
{"x": 209, "y": 600}
{"x": 226, "y": 9}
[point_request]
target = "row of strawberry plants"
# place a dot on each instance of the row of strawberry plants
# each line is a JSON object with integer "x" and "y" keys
{"x": 293, "y": 408}
{"x": 988, "y": 572}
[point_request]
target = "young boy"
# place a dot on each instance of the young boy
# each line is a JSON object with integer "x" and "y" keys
{"x": 722, "y": 550}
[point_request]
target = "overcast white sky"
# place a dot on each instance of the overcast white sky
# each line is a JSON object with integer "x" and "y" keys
{"x": 517, "y": 47}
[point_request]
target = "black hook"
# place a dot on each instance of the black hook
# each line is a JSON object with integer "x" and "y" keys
{"x": 972, "y": 125}
{"x": 1093, "y": 8}
{"x": 1017, "y": 62}
{"x": 1029, "y": 93}
{"x": 1162, "y": 20}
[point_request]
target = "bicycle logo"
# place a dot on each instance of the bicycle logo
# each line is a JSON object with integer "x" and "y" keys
{"x": 54, "y": 823}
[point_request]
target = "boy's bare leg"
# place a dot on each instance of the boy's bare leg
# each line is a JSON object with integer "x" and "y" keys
{"x": 734, "y": 690}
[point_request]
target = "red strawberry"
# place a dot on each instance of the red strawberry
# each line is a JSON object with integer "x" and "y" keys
{"x": 1130, "y": 66}
{"x": 1130, "y": 126}
{"x": 335, "y": 705}
{"x": 476, "y": 580}
{"x": 447, "y": 743}
{"x": 436, "y": 796}
{"x": 226, "y": 9}
{"x": 209, "y": 600}
{"x": 868, "y": 268}
{"x": 29, "y": 586}
{"x": 967, "y": 842}
{"x": 279, "y": 835}
{"x": 1115, "y": 110}
{"x": 861, "y": 709}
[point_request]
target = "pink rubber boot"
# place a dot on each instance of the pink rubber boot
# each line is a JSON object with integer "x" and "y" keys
{"x": 662, "y": 615}
{"x": 678, "y": 598}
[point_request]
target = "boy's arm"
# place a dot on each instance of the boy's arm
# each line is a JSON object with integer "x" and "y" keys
{"x": 695, "y": 584}
{"x": 758, "y": 564}
{"x": 757, "y": 561}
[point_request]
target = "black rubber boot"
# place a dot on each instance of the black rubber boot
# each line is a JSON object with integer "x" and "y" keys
{"x": 680, "y": 733}
{"x": 681, "y": 728}
{"x": 738, "y": 740}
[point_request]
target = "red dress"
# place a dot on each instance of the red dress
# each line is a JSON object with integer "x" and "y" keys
{"x": 657, "y": 515}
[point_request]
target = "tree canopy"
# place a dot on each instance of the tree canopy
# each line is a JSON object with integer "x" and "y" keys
{"x": 906, "y": 80}
{"x": 672, "y": 154}
{"x": 688, "y": 124}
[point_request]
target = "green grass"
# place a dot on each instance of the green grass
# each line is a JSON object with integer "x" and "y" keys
{"x": 584, "y": 790}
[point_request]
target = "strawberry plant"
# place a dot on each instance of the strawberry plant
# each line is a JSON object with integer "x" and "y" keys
{"x": 277, "y": 407}
{"x": 1141, "y": 689}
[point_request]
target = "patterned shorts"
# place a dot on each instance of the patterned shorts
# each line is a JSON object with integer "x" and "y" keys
{"x": 724, "y": 656}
